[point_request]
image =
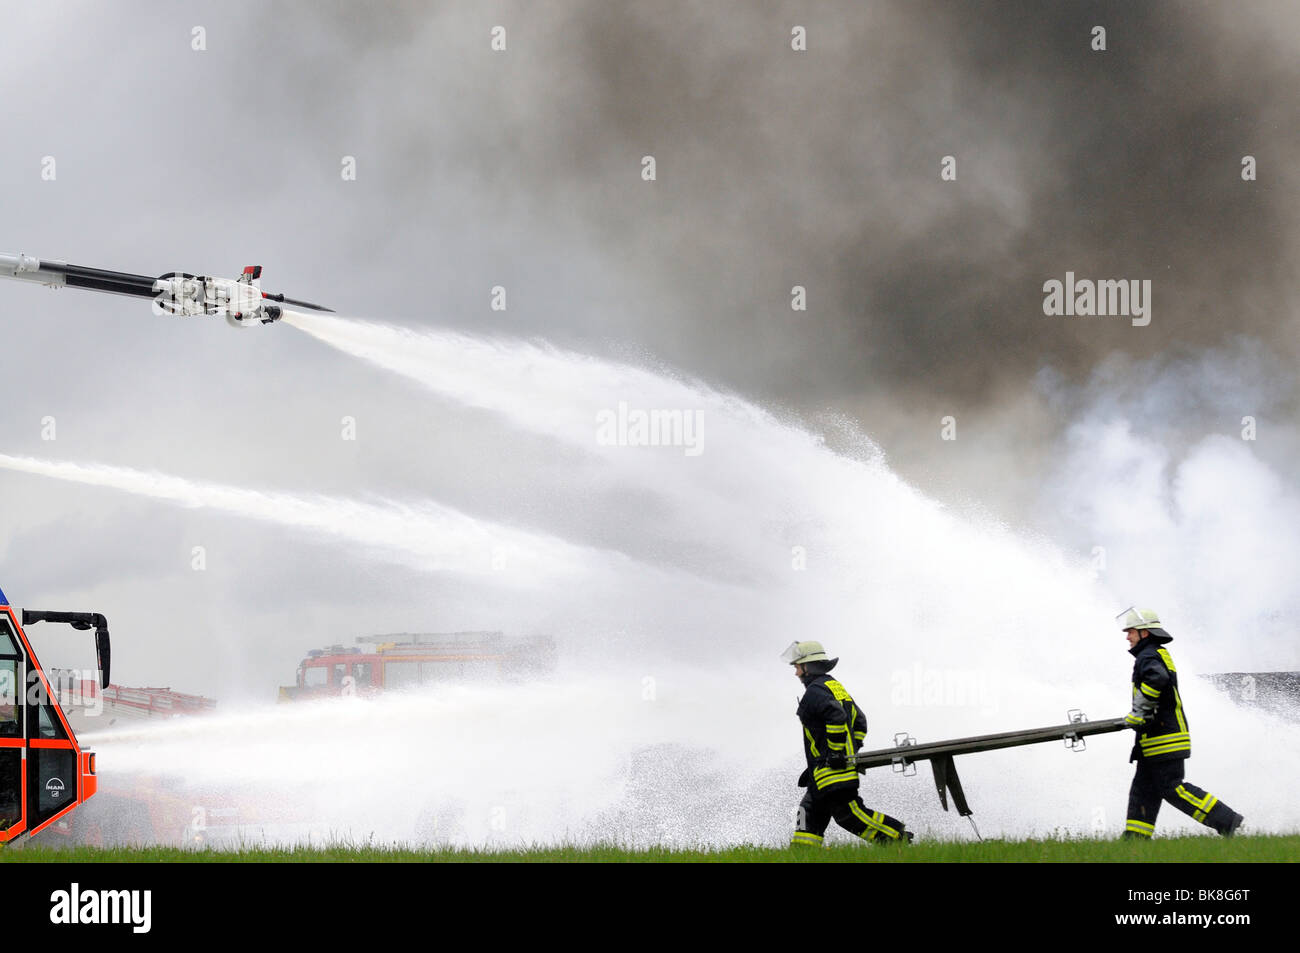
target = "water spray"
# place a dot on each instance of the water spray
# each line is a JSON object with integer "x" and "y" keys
{"x": 426, "y": 536}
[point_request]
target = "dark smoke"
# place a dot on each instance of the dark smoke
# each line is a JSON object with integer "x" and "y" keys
{"x": 822, "y": 169}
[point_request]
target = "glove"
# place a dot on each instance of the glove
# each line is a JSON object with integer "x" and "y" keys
{"x": 837, "y": 761}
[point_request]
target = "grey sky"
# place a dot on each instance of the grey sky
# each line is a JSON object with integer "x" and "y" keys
{"x": 521, "y": 169}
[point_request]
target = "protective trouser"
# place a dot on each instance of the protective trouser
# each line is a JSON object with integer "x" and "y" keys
{"x": 817, "y": 808}
{"x": 1157, "y": 781}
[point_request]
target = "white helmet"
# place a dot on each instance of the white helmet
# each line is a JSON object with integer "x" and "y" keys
{"x": 801, "y": 652}
{"x": 1134, "y": 618}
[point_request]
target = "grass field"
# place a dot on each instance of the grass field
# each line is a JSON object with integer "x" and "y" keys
{"x": 1257, "y": 849}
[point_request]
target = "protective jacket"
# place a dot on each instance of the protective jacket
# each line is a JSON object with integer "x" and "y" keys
{"x": 833, "y": 730}
{"x": 1157, "y": 708}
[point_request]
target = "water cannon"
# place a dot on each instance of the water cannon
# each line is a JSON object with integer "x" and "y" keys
{"x": 241, "y": 301}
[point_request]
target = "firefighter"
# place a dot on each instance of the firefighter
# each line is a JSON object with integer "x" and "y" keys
{"x": 833, "y": 731}
{"x": 1163, "y": 742}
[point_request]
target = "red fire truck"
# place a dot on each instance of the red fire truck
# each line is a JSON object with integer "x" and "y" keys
{"x": 44, "y": 773}
{"x": 409, "y": 660}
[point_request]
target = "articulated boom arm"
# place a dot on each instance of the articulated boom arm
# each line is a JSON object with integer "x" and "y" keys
{"x": 240, "y": 300}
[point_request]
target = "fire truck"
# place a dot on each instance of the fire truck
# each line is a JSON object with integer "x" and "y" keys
{"x": 45, "y": 773}
{"x": 381, "y": 663}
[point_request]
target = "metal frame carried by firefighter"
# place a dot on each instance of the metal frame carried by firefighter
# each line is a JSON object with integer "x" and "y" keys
{"x": 906, "y": 752}
{"x": 44, "y": 772}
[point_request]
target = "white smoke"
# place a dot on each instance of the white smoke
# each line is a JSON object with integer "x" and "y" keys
{"x": 673, "y": 717}
{"x": 1177, "y": 470}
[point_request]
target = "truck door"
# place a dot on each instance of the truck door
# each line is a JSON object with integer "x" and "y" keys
{"x": 51, "y": 755}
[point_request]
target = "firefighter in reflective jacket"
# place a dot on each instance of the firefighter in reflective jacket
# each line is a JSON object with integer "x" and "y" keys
{"x": 1163, "y": 742}
{"x": 833, "y": 731}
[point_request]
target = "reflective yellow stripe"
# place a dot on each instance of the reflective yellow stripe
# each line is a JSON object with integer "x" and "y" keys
{"x": 838, "y": 729}
{"x": 1167, "y": 734}
{"x": 1149, "y": 691}
{"x": 1178, "y": 701}
{"x": 1210, "y": 801}
{"x": 1140, "y": 827}
{"x": 1171, "y": 749}
{"x": 803, "y": 837}
{"x": 1147, "y": 740}
{"x": 812, "y": 744}
{"x": 871, "y": 833}
{"x": 1203, "y": 805}
{"x": 1167, "y": 742}
{"x": 875, "y": 821}
{"x": 833, "y": 777}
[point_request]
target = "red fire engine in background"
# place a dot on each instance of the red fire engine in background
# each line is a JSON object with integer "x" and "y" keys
{"x": 409, "y": 660}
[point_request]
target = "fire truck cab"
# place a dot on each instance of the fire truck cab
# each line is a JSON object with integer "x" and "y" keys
{"x": 44, "y": 772}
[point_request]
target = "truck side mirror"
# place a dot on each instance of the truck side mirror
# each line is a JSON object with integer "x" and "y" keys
{"x": 102, "y": 652}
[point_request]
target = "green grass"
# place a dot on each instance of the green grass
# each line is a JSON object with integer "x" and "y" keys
{"x": 1255, "y": 849}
